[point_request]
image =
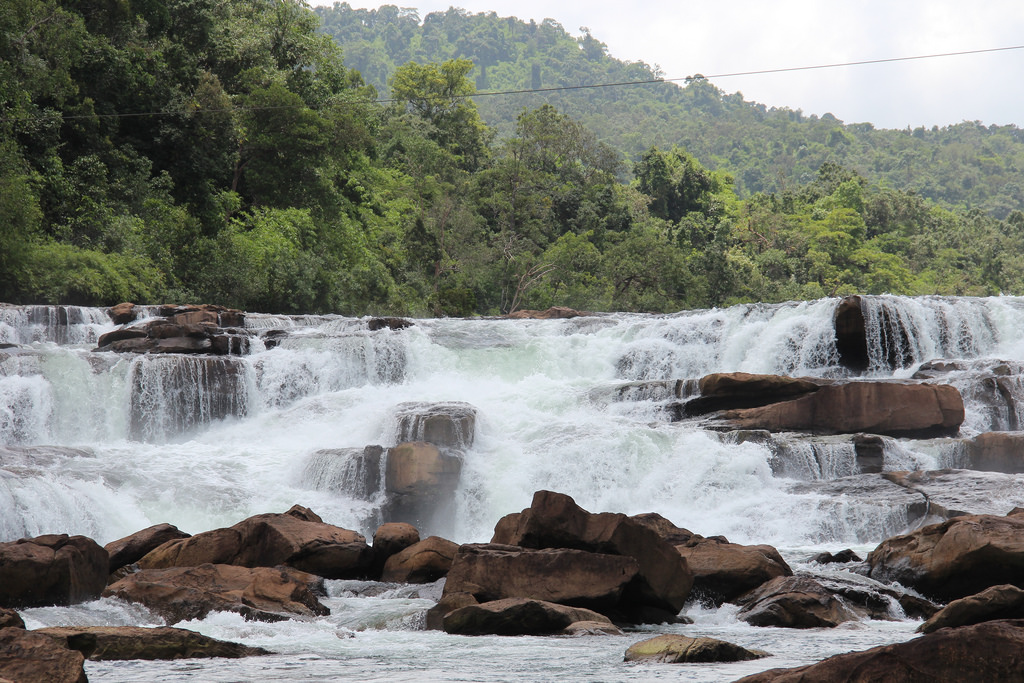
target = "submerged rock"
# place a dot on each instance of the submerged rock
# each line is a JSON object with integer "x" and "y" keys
{"x": 29, "y": 657}
{"x": 105, "y": 643}
{"x": 260, "y": 593}
{"x": 55, "y": 569}
{"x": 518, "y": 617}
{"x": 990, "y": 652}
{"x": 677, "y": 649}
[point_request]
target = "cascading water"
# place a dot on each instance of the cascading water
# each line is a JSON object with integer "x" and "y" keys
{"x": 582, "y": 406}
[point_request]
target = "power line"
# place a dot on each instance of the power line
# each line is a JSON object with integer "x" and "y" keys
{"x": 492, "y": 93}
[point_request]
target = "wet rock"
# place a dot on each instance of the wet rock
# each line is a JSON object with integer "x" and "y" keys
{"x": 722, "y": 571}
{"x": 390, "y": 539}
{"x": 959, "y": 492}
{"x": 260, "y": 593}
{"x": 998, "y": 602}
{"x": 353, "y": 471}
{"x": 55, "y": 569}
{"x": 793, "y": 602}
{"x": 293, "y": 539}
{"x": 887, "y": 408}
{"x": 851, "y": 334}
{"x": 106, "y": 643}
{"x": 549, "y": 314}
{"x": 447, "y": 425}
{"x": 554, "y": 520}
{"x": 131, "y": 549}
{"x": 420, "y": 479}
{"x": 572, "y": 577}
{"x": 182, "y": 329}
{"x": 423, "y": 562}
{"x": 9, "y": 618}
{"x": 517, "y": 617}
{"x": 895, "y": 507}
{"x": 996, "y": 452}
{"x": 28, "y": 657}
{"x": 956, "y": 558}
{"x": 987, "y": 652}
{"x": 841, "y": 557}
{"x": 449, "y": 602}
{"x": 870, "y": 453}
{"x": 124, "y": 313}
{"x": 733, "y": 390}
{"x": 678, "y": 649}
{"x": 592, "y": 628}
{"x": 388, "y": 323}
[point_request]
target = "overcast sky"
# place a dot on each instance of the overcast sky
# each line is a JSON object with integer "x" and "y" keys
{"x": 684, "y": 38}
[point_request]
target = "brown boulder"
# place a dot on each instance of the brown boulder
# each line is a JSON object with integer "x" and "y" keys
{"x": 734, "y": 390}
{"x": 794, "y": 602}
{"x": 131, "y": 549}
{"x": 517, "y": 617}
{"x": 956, "y": 558}
{"x": 104, "y": 643}
{"x": 293, "y": 539}
{"x": 572, "y": 577}
{"x": 992, "y": 652}
{"x": 997, "y": 602}
{"x": 9, "y": 618}
{"x": 123, "y": 313}
{"x": 446, "y": 424}
{"x": 27, "y": 657}
{"x": 55, "y": 569}
{"x": 887, "y": 408}
{"x": 389, "y": 539}
{"x": 554, "y": 520}
{"x": 261, "y": 593}
{"x": 676, "y": 649}
{"x": 448, "y": 603}
{"x": 422, "y": 562}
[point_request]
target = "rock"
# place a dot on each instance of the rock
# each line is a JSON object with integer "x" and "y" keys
{"x": 449, "y": 602}
{"x": 27, "y": 657}
{"x": 591, "y": 628}
{"x": 851, "y": 334}
{"x": 447, "y": 425}
{"x": 51, "y": 570}
{"x": 554, "y": 520}
{"x": 420, "y": 480}
{"x": 182, "y": 329}
{"x": 842, "y": 557}
{"x": 870, "y": 453}
{"x": 352, "y": 471}
{"x": 131, "y": 549}
{"x": 549, "y": 314}
{"x": 261, "y": 593}
{"x": 517, "y": 617}
{"x": 956, "y": 558}
{"x": 722, "y": 571}
{"x": 989, "y": 652}
{"x": 122, "y": 314}
{"x": 390, "y": 539}
{"x": 793, "y": 602}
{"x": 960, "y": 492}
{"x": 676, "y": 649}
{"x": 10, "y": 619}
{"x": 423, "y": 562}
{"x": 998, "y": 602}
{"x": 733, "y": 390}
{"x": 572, "y": 577}
{"x": 104, "y": 643}
{"x": 996, "y": 452}
{"x": 294, "y": 539}
{"x": 888, "y": 408}
{"x": 388, "y": 323}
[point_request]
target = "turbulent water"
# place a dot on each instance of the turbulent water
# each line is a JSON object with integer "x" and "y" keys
{"x": 103, "y": 445}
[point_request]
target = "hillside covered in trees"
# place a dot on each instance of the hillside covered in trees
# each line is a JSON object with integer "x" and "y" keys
{"x": 231, "y": 151}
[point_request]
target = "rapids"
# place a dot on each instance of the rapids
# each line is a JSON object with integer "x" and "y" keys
{"x": 103, "y": 445}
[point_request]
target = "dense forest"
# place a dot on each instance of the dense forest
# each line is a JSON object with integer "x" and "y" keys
{"x": 235, "y": 152}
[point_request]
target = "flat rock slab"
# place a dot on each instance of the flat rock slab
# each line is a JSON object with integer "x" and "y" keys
{"x": 135, "y": 642}
{"x": 678, "y": 649}
{"x": 992, "y": 652}
{"x": 518, "y": 617}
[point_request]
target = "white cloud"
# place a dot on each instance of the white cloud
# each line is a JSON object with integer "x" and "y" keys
{"x": 746, "y": 35}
